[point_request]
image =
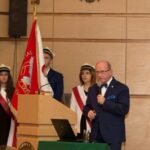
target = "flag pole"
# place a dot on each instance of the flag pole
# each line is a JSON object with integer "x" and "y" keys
{"x": 34, "y": 11}
{"x": 35, "y": 3}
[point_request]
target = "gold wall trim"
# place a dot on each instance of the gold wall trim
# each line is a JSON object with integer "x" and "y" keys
{"x": 81, "y": 40}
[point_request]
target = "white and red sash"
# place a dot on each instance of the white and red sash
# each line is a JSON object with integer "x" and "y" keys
{"x": 12, "y": 132}
{"x": 79, "y": 101}
{"x": 5, "y": 106}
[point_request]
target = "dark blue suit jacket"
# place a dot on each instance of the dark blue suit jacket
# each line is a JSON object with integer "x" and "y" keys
{"x": 55, "y": 79}
{"x": 110, "y": 116}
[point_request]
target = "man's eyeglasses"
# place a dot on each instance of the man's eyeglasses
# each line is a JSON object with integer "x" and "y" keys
{"x": 102, "y": 71}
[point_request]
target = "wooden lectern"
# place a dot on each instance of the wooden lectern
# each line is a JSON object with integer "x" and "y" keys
{"x": 4, "y": 147}
{"x": 34, "y": 117}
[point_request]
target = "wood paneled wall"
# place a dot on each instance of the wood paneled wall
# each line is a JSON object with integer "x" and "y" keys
{"x": 79, "y": 32}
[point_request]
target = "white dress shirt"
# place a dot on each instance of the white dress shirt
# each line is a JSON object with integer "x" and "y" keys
{"x": 104, "y": 89}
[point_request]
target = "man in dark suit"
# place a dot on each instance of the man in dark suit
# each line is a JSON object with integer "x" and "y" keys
{"x": 55, "y": 78}
{"x": 106, "y": 106}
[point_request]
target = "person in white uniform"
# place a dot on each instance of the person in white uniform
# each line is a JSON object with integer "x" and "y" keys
{"x": 79, "y": 95}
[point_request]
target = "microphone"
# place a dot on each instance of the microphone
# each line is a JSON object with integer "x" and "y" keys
{"x": 99, "y": 88}
{"x": 39, "y": 91}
